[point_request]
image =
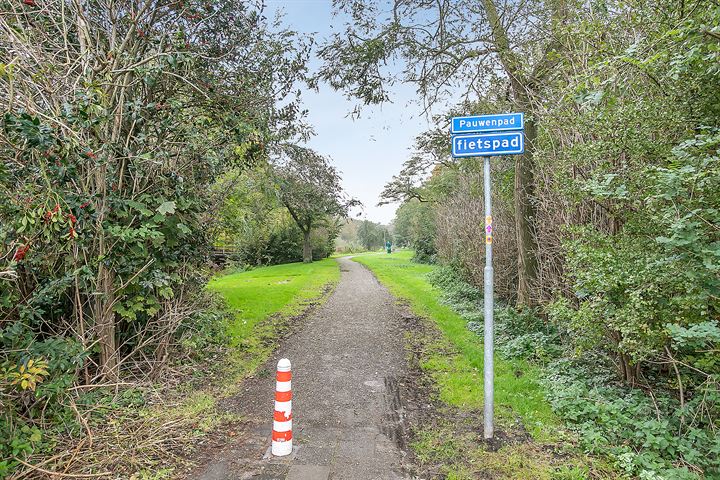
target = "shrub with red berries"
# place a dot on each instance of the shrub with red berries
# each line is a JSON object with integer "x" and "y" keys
{"x": 21, "y": 252}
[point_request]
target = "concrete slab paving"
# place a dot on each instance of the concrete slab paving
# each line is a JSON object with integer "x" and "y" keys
{"x": 308, "y": 472}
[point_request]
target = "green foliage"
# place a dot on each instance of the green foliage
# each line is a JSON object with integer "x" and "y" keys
{"x": 372, "y": 235}
{"x": 35, "y": 375}
{"x": 257, "y": 227}
{"x": 283, "y": 243}
{"x": 610, "y": 419}
{"x": 311, "y": 190}
{"x": 654, "y": 283}
{"x": 113, "y": 131}
{"x": 647, "y": 436}
{"x": 415, "y": 228}
{"x": 697, "y": 345}
{"x": 627, "y": 197}
{"x": 647, "y": 296}
{"x": 519, "y": 334}
{"x": 205, "y": 331}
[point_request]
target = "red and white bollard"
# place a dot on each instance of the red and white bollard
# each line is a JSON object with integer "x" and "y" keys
{"x": 282, "y": 418}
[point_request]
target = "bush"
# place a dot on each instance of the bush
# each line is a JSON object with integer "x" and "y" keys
{"x": 644, "y": 431}
{"x": 284, "y": 244}
{"x": 35, "y": 376}
{"x": 646, "y": 434}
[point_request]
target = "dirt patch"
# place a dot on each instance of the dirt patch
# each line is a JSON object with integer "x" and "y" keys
{"x": 432, "y": 430}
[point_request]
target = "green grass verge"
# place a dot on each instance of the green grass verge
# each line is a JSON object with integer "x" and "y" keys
{"x": 459, "y": 377}
{"x": 255, "y": 295}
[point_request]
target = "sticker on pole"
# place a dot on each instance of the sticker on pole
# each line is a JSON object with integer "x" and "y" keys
{"x": 488, "y": 144}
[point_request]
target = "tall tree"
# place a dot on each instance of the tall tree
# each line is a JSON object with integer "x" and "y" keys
{"x": 371, "y": 235}
{"x": 448, "y": 46}
{"x": 311, "y": 190}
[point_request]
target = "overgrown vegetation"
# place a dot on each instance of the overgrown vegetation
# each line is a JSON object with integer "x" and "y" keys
{"x": 645, "y": 435}
{"x": 607, "y": 229}
{"x": 119, "y": 119}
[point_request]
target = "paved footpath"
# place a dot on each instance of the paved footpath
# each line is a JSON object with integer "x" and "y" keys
{"x": 347, "y": 414}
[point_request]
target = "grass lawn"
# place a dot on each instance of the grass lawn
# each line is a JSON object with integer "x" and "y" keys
{"x": 257, "y": 294}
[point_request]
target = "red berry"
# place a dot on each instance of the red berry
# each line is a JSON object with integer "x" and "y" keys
{"x": 20, "y": 253}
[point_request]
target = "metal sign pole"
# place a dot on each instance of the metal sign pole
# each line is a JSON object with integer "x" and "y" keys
{"x": 489, "y": 390}
{"x": 486, "y": 136}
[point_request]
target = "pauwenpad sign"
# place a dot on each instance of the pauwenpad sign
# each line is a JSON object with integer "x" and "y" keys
{"x": 488, "y": 135}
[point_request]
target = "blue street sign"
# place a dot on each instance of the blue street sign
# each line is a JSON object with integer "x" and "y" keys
{"x": 488, "y": 144}
{"x": 488, "y": 123}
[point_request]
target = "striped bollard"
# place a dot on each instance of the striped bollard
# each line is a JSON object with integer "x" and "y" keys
{"x": 282, "y": 418}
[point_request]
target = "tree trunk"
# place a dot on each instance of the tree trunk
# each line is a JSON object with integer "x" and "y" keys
{"x": 105, "y": 290}
{"x": 524, "y": 164}
{"x": 628, "y": 371}
{"x": 307, "y": 248}
{"x": 525, "y": 217}
{"x": 105, "y": 323}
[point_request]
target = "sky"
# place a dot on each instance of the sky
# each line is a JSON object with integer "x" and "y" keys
{"x": 369, "y": 150}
